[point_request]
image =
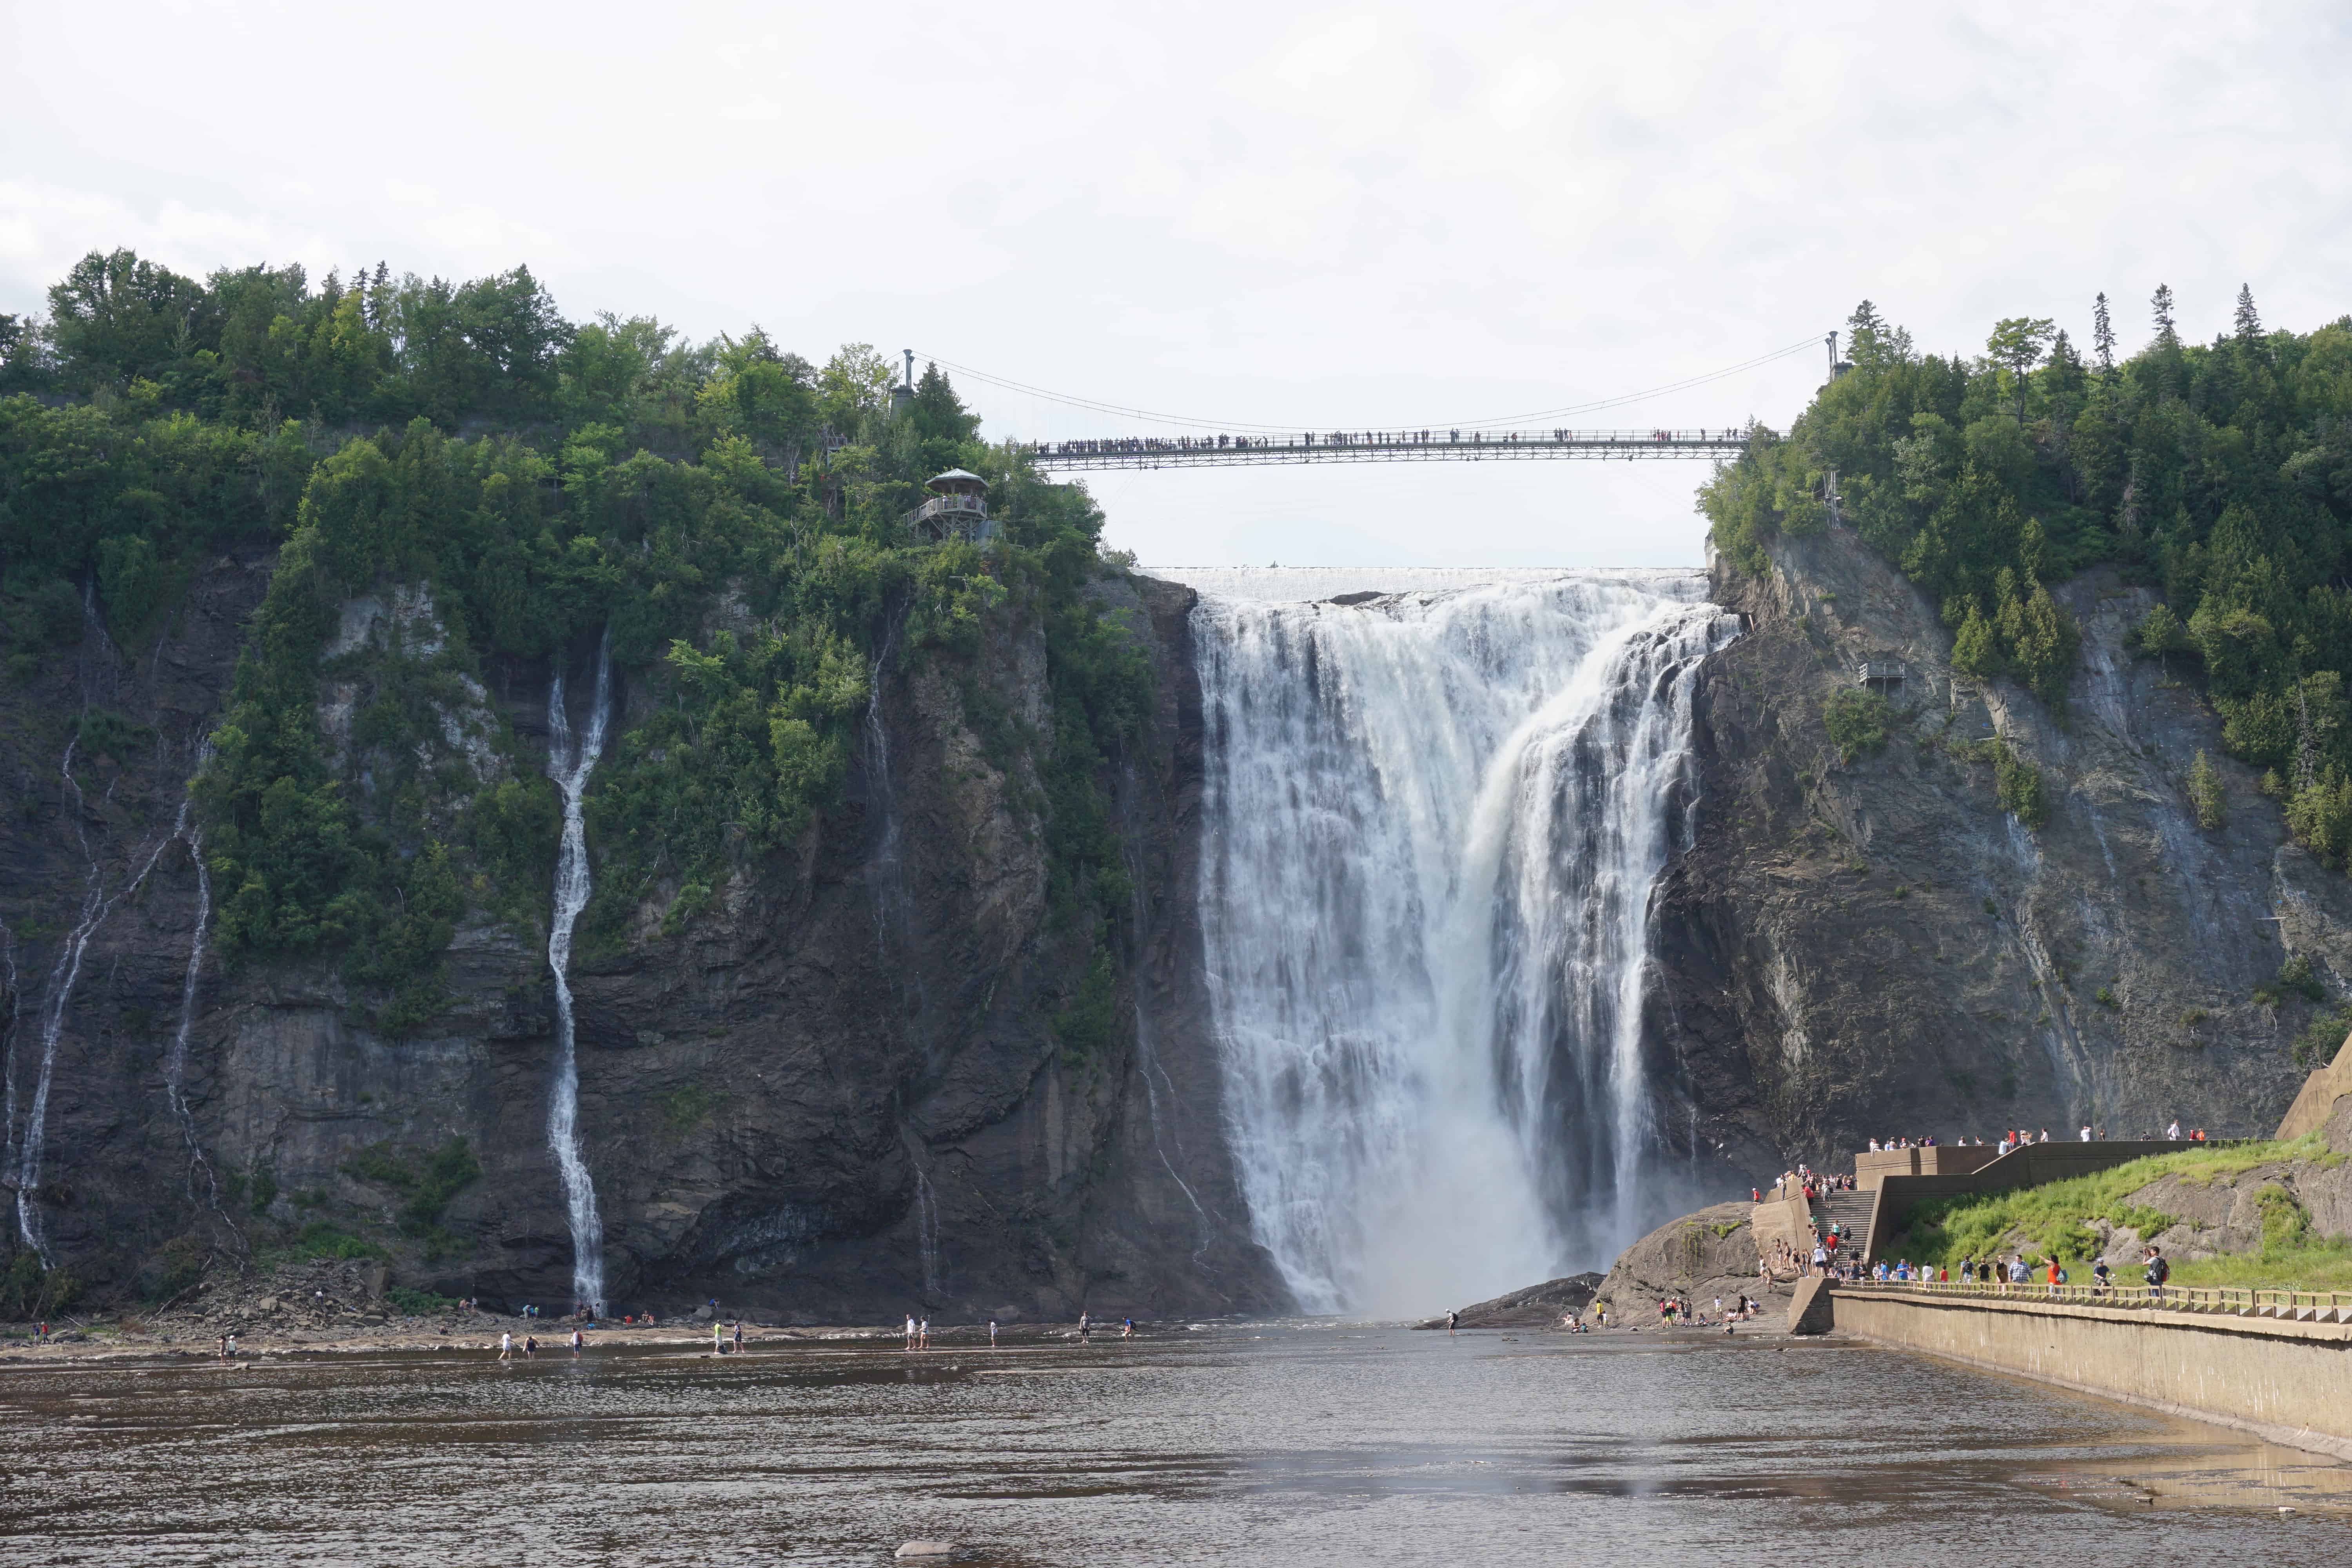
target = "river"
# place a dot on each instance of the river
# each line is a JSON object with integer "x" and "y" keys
{"x": 1306, "y": 1443}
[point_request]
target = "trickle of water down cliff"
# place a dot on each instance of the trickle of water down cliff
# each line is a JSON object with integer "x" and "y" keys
{"x": 1432, "y": 815}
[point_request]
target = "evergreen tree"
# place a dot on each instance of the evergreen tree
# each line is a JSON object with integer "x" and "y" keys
{"x": 2103, "y": 335}
{"x": 2249, "y": 325}
{"x": 2166, "y": 337}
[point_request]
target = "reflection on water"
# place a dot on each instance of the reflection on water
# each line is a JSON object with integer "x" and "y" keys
{"x": 1316, "y": 1444}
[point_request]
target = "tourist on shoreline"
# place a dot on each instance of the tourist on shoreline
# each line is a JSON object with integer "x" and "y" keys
{"x": 718, "y": 1339}
{"x": 923, "y": 1335}
{"x": 577, "y": 1343}
{"x": 232, "y": 1345}
{"x": 738, "y": 1335}
{"x": 1086, "y": 1326}
{"x": 1127, "y": 1329}
{"x": 506, "y": 1346}
{"x": 529, "y": 1346}
{"x": 992, "y": 1333}
{"x": 910, "y": 1331}
{"x": 224, "y": 1347}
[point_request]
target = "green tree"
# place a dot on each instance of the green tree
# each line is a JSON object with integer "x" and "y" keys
{"x": 2206, "y": 794}
{"x": 2103, "y": 335}
{"x": 2249, "y": 322}
{"x": 2017, "y": 345}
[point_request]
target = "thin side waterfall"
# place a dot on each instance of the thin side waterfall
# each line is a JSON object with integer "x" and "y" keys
{"x": 175, "y": 1066}
{"x": 1147, "y": 1052}
{"x": 570, "y": 760}
{"x": 15, "y": 1019}
{"x": 1431, "y": 825}
{"x": 927, "y": 1233}
{"x": 96, "y": 905}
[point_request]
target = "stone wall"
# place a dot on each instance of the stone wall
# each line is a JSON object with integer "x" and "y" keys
{"x": 2288, "y": 1382}
{"x": 2321, "y": 1090}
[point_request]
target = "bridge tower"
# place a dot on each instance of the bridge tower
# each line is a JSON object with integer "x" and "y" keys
{"x": 904, "y": 393}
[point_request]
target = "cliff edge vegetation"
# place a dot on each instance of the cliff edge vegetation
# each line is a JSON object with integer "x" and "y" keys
{"x": 503, "y": 484}
{"x": 2219, "y": 473}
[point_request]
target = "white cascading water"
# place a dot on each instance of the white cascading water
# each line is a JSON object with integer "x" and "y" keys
{"x": 570, "y": 760}
{"x": 96, "y": 905}
{"x": 1431, "y": 825}
{"x": 175, "y": 1066}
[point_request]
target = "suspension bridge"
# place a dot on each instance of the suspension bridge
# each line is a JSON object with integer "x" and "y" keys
{"x": 1382, "y": 446}
{"x": 1515, "y": 439}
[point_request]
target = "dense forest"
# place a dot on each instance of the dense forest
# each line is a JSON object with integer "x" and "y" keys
{"x": 2220, "y": 473}
{"x": 728, "y": 514}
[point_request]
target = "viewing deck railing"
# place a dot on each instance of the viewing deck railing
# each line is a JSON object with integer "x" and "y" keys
{"x": 944, "y": 511}
{"x": 2226, "y": 1300}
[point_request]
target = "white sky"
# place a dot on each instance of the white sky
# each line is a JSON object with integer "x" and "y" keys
{"x": 1354, "y": 216}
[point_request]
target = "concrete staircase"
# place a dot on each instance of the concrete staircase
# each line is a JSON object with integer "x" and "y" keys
{"x": 1849, "y": 1212}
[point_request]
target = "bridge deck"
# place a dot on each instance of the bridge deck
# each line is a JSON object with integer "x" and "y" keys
{"x": 1383, "y": 447}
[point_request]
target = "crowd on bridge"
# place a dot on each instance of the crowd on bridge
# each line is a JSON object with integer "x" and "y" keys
{"x": 1122, "y": 446}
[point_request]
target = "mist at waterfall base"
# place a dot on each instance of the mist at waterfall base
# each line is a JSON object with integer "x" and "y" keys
{"x": 1431, "y": 822}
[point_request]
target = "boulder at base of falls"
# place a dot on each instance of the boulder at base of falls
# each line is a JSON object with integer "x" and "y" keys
{"x": 1704, "y": 1255}
{"x": 1537, "y": 1307}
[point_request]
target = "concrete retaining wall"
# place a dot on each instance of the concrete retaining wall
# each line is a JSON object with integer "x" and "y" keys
{"x": 2287, "y": 1381}
{"x": 1783, "y": 1219}
{"x": 2026, "y": 1167}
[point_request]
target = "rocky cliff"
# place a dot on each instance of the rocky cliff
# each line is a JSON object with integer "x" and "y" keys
{"x": 1864, "y": 941}
{"x": 840, "y": 1091}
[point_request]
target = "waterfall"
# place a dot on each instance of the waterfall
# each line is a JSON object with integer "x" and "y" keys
{"x": 175, "y": 1066}
{"x": 570, "y": 760}
{"x": 926, "y": 1234}
{"x": 1431, "y": 822}
{"x": 96, "y": 905}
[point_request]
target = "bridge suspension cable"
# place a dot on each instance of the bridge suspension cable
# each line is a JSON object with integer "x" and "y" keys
{"x": 1498, "y": 422}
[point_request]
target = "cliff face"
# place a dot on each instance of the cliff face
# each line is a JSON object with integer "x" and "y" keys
{"x": 1876, "y": 948}
{"x": 840, "y": 1091}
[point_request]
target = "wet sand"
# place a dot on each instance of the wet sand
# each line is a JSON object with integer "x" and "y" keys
{"x": 1305, "y": 1444}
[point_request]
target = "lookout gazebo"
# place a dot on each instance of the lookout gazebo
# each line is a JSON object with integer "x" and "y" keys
{"x": 958, "y": 506}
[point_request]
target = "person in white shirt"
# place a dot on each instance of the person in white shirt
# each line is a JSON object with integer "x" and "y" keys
{"x": 2086, "y": 1132}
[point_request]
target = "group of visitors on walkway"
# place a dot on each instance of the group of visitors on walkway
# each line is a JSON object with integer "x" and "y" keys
{"x": 1111, "y": 446}
{"x": 1805, "y": 1181}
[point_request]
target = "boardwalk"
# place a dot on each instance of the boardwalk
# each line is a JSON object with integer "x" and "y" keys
{"x": 1382, "y": 446}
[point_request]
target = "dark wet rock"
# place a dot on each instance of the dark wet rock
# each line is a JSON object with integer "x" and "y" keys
{"x": 1873, "y": 947}
{"x": 837, "y": 1095}
{"x": 1704, "y": 1255}
{"x": 1537, "y": 1307}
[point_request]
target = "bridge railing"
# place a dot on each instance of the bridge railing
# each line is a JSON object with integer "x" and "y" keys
{"x": 1343, "y": 440}
{"x": 2322, "y": 1306}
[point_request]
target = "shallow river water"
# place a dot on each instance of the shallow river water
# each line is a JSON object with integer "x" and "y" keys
{"x": 1286, "y": 1443}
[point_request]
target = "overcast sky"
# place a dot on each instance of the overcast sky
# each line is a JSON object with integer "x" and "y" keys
{"x": 1359, "y": 216}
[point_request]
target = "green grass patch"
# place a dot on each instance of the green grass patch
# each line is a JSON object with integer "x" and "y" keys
{"x": 2060, "y": 1217}
{"x": 426, "y": 1178}
{"x": 415, "y": 1304}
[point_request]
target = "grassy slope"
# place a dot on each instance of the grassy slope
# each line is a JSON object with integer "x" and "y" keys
{"x": 2061, "y": 1217}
